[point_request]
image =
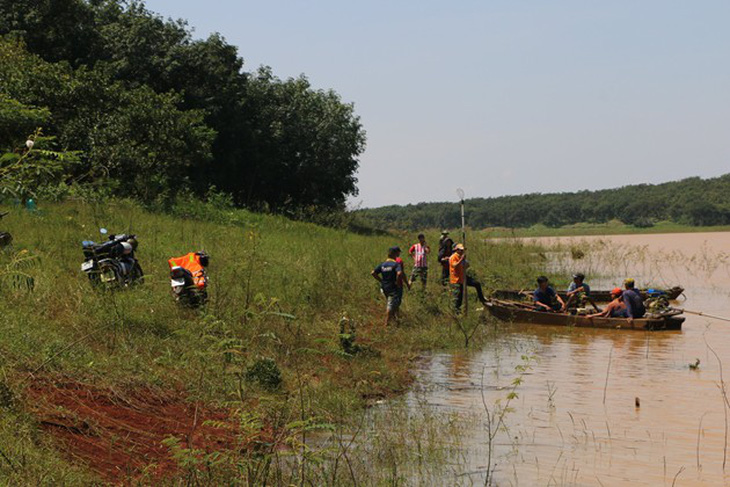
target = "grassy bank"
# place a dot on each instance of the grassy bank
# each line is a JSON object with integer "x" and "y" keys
{"x": 278, "y": 292}
{"x": 613, "y": 227}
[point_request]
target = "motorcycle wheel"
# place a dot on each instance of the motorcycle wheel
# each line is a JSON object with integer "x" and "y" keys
{"x": 109, "y": 277}
{"x": 93, "y": 276}
{"x": 192, "y": 298}
{"x": 136, "y": 276}
{"x": 5, "y": 239}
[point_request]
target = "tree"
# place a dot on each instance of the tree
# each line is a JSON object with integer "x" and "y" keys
{"x": 700, "y": 213}
{"x": 155, "y": 111}
{"x": 692, "y": 201}
{"x": 306, "y": 143}
{"x": 57, "y": 30}
{"x": 146, "y": 146}
{"x": 17, "y": 119}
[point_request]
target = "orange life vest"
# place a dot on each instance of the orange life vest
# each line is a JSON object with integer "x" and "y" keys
{"x": 192, "y": 263}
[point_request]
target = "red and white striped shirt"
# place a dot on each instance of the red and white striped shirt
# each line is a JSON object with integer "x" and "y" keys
{"x": 418, "y": 252}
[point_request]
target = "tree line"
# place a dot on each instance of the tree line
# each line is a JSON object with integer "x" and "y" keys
{"x": 693, "y": 201}
{"x": 142, "y": 109}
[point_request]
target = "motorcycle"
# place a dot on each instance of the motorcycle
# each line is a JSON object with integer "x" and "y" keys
{"x": 112, "y": 264}
{"x": 188, "y": 278}
{"x": 5, "y": 237}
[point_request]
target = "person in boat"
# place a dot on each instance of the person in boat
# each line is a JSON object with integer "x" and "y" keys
{"x": 615, "y": 309}
{"x": 446, "y": 248}
{"x": 419, "y": 253}
{"x": 390, "y": 276}
{"x": 578, "y": 291}
{"x": 633, "y": 301}
{"x": 546, "y": 299}
{"x": 457, "y": 276}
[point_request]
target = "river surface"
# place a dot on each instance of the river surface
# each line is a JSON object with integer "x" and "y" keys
{"x": 600, "y": 407}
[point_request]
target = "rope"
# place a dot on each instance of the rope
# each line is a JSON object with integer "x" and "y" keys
{"x": 702, "y": 313}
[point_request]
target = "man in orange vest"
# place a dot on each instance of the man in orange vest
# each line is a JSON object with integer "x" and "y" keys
{"x": 457, "y": 275}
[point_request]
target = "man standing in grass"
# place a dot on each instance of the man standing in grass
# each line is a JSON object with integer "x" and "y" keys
{"x": 390, "y": 276}
{"x": 419, "y": 252}
{"x": 457, "y": 277}
{"x": 446, "y": 248}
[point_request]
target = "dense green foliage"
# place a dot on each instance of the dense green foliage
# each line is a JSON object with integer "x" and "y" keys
{"x": 692, "y": 201}
{"x": 34, "y": 164}
{"x": 154, "y": 111}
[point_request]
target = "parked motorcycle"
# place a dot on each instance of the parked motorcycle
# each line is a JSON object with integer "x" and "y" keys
{"x": 5, "y": 237}
{"x": 188, "y": 278}
{"x": 112, "y": 264}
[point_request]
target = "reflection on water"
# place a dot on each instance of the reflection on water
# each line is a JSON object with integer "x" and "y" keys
{"x": 575, "y": 420}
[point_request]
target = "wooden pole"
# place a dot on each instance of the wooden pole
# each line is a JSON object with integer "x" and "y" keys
{"x": 465, "y": 300}
{"x": 701, "y": 313}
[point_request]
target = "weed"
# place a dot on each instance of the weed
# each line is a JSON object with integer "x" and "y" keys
{"x": 244, "y": 351}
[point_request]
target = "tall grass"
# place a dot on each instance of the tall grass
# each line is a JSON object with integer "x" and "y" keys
{"x": 278, "y": 291}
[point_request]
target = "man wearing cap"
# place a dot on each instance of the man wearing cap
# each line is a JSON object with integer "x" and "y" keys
{"x": 419, "y": 252}
{"x": 457, "y": 276}
{"x": 446, "y": 248}
{"x": 633, "y": 301}
{"x": 615, "y": 309}
{"x": 579, "y": 289}
{"x": 390, "y": 276}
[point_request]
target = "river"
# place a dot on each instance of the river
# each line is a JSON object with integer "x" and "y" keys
{"x": 600, "y": 407}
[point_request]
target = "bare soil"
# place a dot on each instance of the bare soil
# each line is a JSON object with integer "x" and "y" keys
{"x": 119, "y": 434}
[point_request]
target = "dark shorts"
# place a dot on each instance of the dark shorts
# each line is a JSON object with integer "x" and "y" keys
{"x": 394, "y": 299}
{"x": 420, "y": 273}
{"x": 622, "y": 313}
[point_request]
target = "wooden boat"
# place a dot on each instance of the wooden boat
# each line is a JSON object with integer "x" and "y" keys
{"x": 599, "y": 296}
{"x": 522, "y": 313}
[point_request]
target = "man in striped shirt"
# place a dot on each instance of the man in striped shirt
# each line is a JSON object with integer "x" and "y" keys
{"x": 419, "y": 252}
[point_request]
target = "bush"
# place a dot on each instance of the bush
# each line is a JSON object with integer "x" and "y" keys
{"x": 265, "y": 373}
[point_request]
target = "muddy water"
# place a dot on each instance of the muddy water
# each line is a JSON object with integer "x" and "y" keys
{"x": 575, "y": 420}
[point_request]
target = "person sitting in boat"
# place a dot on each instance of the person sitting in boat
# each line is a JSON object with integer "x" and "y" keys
{"x": 579, "y": 291}
{"x": 633, "y": 301}
{"x": 615, "y": 309}
{"x": 546, "y": 299}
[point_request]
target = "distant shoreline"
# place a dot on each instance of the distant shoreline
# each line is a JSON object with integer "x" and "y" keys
{"x": 594, "y": 229}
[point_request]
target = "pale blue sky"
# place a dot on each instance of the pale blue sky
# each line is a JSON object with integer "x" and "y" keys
{"x": 503, "y": 97}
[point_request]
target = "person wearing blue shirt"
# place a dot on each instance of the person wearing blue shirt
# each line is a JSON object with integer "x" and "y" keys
{"x": 575, "y": 289}
{"x": 546, "y": 299}
{"x": 633, "y": 301}
{"x": 390, "y": 276}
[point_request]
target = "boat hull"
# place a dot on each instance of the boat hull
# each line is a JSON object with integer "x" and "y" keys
{"x": 598, "y": 296}
{"x": 516, "y": 314}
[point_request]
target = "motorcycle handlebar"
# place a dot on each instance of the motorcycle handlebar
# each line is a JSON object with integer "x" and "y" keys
{"x": 122, "y": 237}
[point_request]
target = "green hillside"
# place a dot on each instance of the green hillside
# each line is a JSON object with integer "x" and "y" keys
{"x": 77, "y": 363}
{"x": 692, "y": 201}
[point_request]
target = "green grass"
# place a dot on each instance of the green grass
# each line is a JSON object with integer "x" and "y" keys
{"x": 278, "y": 291}
{"x": 613, "y": 227}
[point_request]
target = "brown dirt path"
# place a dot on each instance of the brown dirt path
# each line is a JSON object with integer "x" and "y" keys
{"x": 119, "y": 434}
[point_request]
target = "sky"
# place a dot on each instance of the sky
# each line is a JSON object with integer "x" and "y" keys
{"x": 502, "y": 97}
